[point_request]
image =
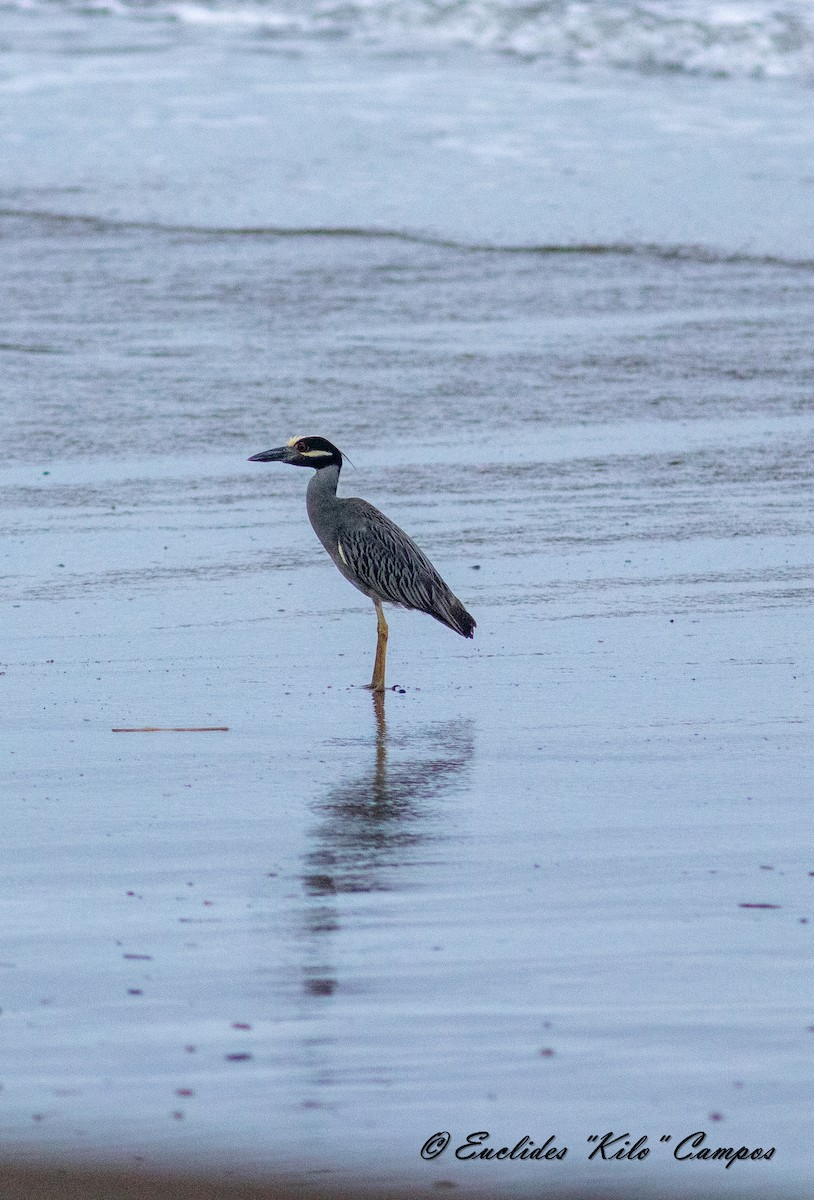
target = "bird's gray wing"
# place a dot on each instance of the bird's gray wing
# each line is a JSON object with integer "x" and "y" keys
{"x": 385, "y": 560}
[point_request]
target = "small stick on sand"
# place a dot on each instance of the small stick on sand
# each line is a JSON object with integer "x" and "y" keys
{"x": 175, "y": 729}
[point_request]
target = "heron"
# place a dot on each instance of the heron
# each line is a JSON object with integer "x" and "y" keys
{"x": 369, "y": 549}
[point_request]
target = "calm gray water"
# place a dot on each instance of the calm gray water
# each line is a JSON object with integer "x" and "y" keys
{"x": 559, "y": 315}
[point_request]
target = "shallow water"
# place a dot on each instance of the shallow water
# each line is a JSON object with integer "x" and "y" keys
{"x": 161, "y": 121}
{"x": 559, "y": 884}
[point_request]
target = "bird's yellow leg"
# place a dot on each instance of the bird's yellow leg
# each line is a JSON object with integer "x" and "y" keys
{"x": 377, "y": 682}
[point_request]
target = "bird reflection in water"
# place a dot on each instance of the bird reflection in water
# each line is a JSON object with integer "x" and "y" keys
{"x": 373, "y": 825}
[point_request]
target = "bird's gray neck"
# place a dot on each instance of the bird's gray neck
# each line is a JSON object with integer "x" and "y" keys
{"x": 320, "y": 499}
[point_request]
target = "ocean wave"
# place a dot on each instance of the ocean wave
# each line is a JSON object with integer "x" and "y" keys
{"x": 740, "y": 38}
{"x": 683, "y": 252}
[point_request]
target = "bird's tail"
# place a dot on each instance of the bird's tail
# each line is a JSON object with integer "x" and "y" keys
{"x": 456, "y": 617}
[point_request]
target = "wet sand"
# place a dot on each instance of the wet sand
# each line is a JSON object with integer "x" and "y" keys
{"x": 554, "y": 887}
{"x": 30, "y": 1184}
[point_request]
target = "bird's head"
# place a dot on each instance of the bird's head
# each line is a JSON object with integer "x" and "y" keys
{"x": 313, "y": 452}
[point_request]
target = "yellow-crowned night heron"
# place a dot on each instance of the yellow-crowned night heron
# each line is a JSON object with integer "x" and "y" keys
{"x": 374, "y": 554}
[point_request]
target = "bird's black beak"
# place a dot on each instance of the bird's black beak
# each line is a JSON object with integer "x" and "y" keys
{"x": 281, "y": 454}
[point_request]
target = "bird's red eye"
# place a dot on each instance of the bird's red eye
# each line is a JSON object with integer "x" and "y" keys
{"x": 302, "y": 447}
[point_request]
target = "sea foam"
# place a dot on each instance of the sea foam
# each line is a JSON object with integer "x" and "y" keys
{"x": 757, "y": 39}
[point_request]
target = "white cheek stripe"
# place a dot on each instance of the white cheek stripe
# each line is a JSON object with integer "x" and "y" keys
{"x": 308, "y": 453}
